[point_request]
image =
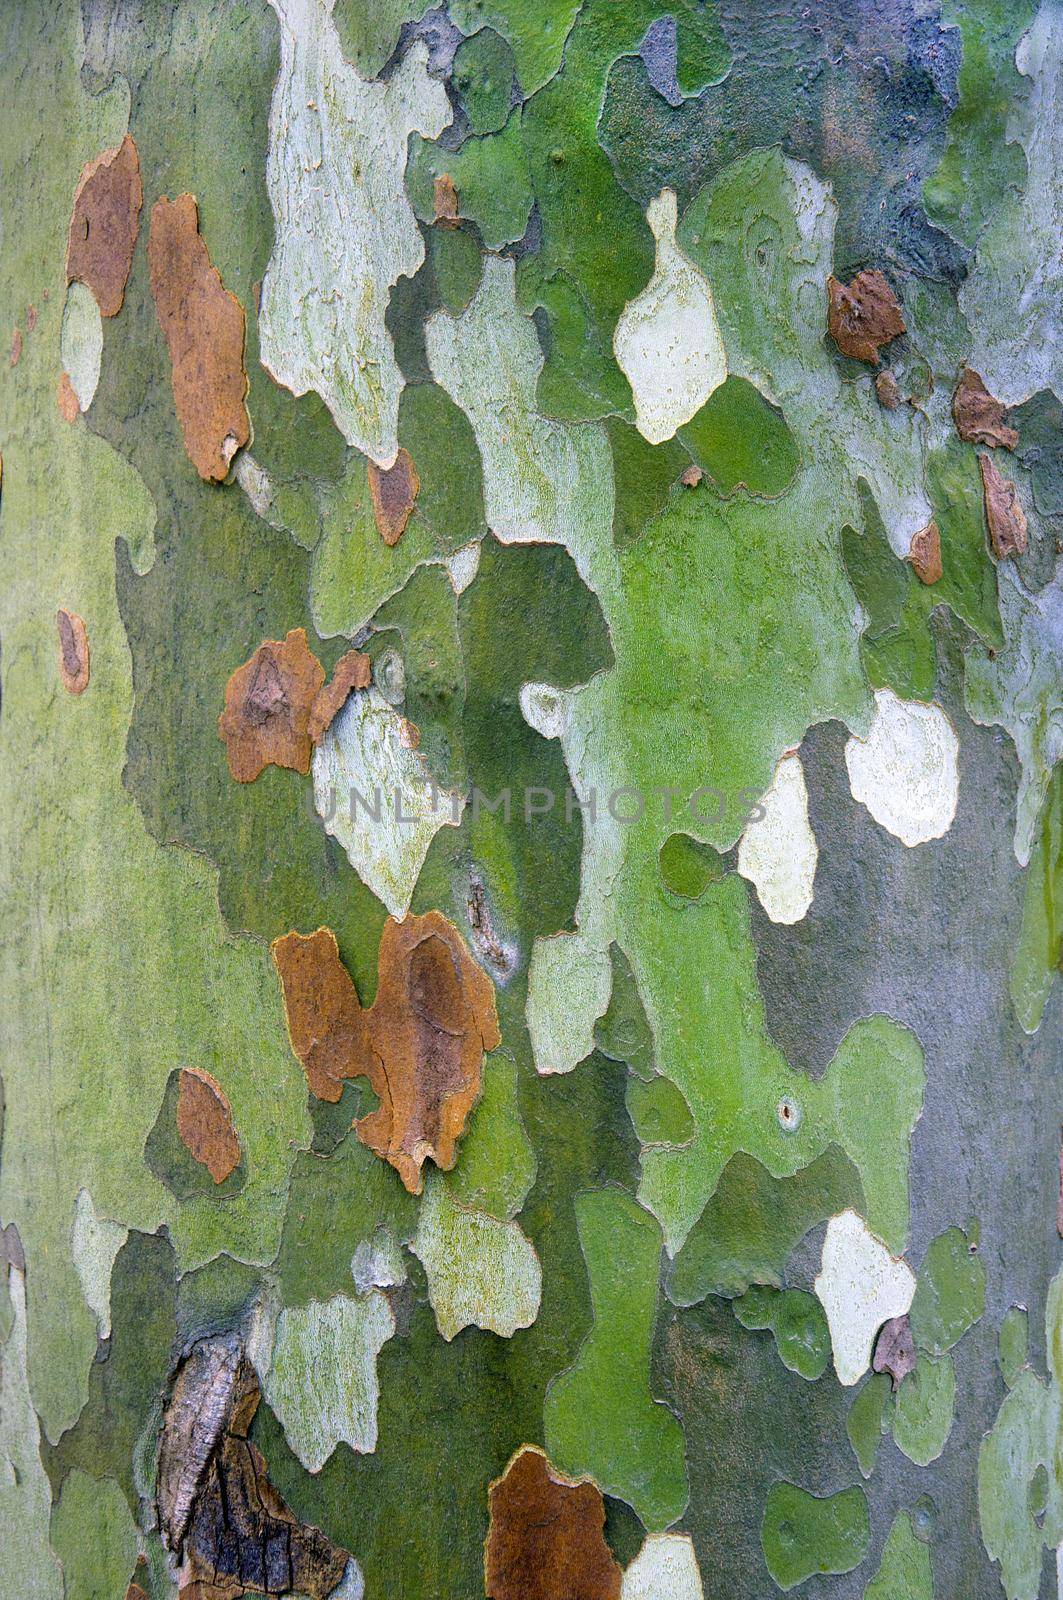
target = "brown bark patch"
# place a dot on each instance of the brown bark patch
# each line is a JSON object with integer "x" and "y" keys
{"x": 445, "y": 201}
{"x": 268, "y": 701}
{"x": 978, "y": 415}
{"x": 421, "y": 1044}
{"x": 67, "y": 401}
{"x": 691, "y": 476}
{"x": 353, "y": 671}
{"x": 218, "y": 1512}
{"x": 204, "y": 328}
{"x": 326, "y": 1023}
{"x": 394, "y": 493}
{"x": 545, "y": 1538}
{"x": 73, "y": 651}
{"x": 863, "y": 316}
{"x": 1003, "y": 511}
{"x": 31, "y": 318}
{"x": 925, "y": 553}
{"x": 889, "y": 394}
{"x": 16, "y": 346}
{"x": 895, "y": 1349}
{"x": 205, "y": 1123}
{"x": 104, "y": 224}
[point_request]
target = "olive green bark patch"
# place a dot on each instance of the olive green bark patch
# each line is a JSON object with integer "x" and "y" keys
{"x": 659, "y": 1114}
{"x": 600, "y": 1416}
{"x": 483, "y": 73}
{"x": 796, "y": 1320}
{"x": 754, "y": 1220}
{"x": 742, "y": 441}
{"x": 94, "y": 1536}
{"x": 1039, "y": 953}
{"x": 905, "y": 1568}
{"x": 867, "y": 1420}
{"x": 803, "y": 1534}
{"x": 950, "y": 1292}
{"x": 688, "y": 866}
{"x": 1013, "y": 1343}
{"x": 923, "y": 1409}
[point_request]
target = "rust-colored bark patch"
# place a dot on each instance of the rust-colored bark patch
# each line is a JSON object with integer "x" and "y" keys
{"x": 691, "y": 476}
{"x": 353, "y": 671}
{"x": 889, "y": 394}
{"x": 67, "y": 401}
{"x": 925, "y": 553}
{"x": 205, "y": 1123}
{"x": 445, "y": 201}
{"x": 204, "y": 328}
{"x": 978, "y": 415}
{"x": 326, "y": 1023}
{"x": 16, "y": 346}
{"x": 104, "y": 224}
{"x": 394, "y": 493}
{"x": 545, "y": 1539}
{"x": 219, "y": 1514}
{"x": 268, "y": 701}
{"x": 73, "y": 651}
{"x": 1003, "y": 512}
{"x": 895, "y": 1349}
{"x": 421, "y": 1044}
{"x": 863, "y": 316}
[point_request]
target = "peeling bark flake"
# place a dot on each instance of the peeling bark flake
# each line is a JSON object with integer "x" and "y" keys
{"x": 73, "y": 651}
{"x": 218, "y": 1512}
{"x": 1003, "y": 511}
{"x": 889, "y": 395}
{"x": 863, "y": 315}
{"x": 691, "y": 476}
{"x": 353, "y": 671}
{"x": 925, "y": 553}
{"x": 66, "y": 399}
{"x": 104, "y": 224}
{"x": 205, "y": 1123}
{"x": 445, "y": 201}
{"x": 268, "y": 705}
{"x": 978, "y": 415}
{"x": 204, "y": 328}
{"x": 326, "y": 1023}
{"x": 895, "y": 1349}
{"x": 421, "y": 1044}
{"x": 545, "y": 1538}
{"x": 394, "y": 491}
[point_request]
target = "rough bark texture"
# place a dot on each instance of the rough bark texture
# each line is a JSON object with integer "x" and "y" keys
{"x": 531, "y": 880}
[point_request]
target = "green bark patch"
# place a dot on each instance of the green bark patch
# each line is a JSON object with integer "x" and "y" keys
{"x": 803, "y": 1534}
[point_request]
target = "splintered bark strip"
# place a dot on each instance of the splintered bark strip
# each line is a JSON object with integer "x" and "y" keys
{"x": 394, "y": 493}
{"x": 205, "y": 1123}
{"x": 421, "y": 1044}
{"x": 104, "y": 224}
{"x": 978, "y": 415}
{"x": 353, "y": 671}
{"x": 218, "y": 1512}
{"x": 925, "y": 553}
{"x": 863, "y": 316}
{"x": 326, "y": 1023}
{"x": 268, "y": 701}
{"x": 1003, "y": 511}
{"x": 204, "y": 328}
{"x": 545, "y": 1537}
{"x": 73, "y": 651}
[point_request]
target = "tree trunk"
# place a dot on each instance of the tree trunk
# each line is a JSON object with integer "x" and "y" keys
{"x": 531, "y": 638}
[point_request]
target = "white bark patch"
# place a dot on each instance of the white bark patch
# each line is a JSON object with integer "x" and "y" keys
{"x": 667, "y": 341}
{"x": 861, "y": 1286}
{"x": 81, "y": 342}
{"x": 463, "y": 566}
{"x": 378, "y": 1263}
{"x": 322, "y": 1380}
{"x": 480, "y": 1271}
{"x": 778, "y": 854}
{"x": 345, "y": 230}
{"x": 906, "y": 772}
{"x": 377, "y": 797}
{"x": 94, "y": 1244}
{"x": 664, "y": 1569}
